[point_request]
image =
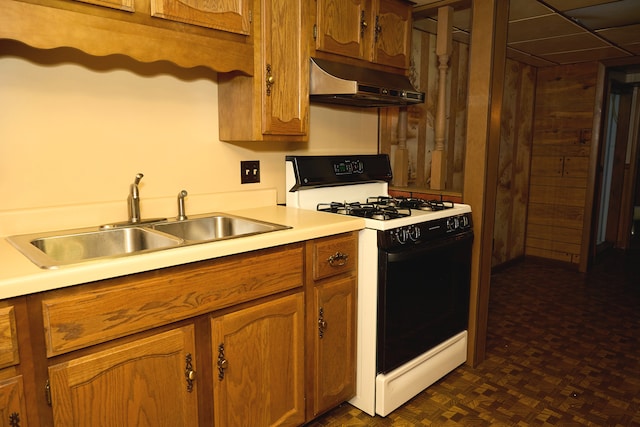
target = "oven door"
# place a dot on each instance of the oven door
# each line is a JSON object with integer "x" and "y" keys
{"x": 423, "y": 297}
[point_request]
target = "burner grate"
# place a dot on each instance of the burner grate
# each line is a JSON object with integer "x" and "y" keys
{"x": 365, "y": 210}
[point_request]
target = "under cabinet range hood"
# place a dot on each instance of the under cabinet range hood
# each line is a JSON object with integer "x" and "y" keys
{"x": 336, "y": 83}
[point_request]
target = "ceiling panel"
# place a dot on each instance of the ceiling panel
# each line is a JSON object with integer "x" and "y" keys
{"x": 551, "y": 32}
{"x": 541, "y": 27}
{"x": 581, "y": 41}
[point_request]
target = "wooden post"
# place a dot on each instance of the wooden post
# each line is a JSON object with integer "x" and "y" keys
{"x": 486, "y": 78}
{"x": 401, "y": 162}
{"x": 443, "y": 51}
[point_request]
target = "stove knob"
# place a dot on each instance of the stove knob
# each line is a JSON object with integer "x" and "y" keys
{"x": 401, "y": 236}
{"x": 452, "y": 223}
{"x": 414, "y": 233}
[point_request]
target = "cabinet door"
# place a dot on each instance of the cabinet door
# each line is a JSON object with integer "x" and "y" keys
{"x": 147, "y": 382}
{"x": 226, "y": 15}
{"x": 335, "y": 343}
{"x": 344, "y": 27}
{"x": 259, "y": 379}
{"x": 285, "y": 67}
{"x": 392, "y": 34}
{"x": 12, "y": 403}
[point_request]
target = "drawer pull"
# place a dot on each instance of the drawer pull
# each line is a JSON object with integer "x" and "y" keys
{"x": 338, "y": 259}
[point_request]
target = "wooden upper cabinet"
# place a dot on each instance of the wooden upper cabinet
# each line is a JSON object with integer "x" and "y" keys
{"x": 376, "y": 31}
{"x": 392, "y": 34}
{"x": 343, "y": 27}
{"x": 209, "y": 34}
{"x": 226, "y": 15}
{"x": 273, "y": 104}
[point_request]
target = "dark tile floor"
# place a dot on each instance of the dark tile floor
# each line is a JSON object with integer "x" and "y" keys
{"x": 563, "y": 349}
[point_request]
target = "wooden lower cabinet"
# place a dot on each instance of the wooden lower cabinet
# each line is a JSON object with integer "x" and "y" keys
{"x": 141, "y": 383}
{"x": 334, "y": 370}
{"x": 259, "y": 364}
{"x": 331, "y": 321}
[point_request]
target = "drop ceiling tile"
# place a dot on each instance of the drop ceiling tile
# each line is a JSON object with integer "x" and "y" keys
{"x": 622, "y": 35}
{"x": 585, "y": 55}
{"x": 521, "y": 9}
{"x": 634, "y": 48}
{"x": 541, "y": 27}
{"x": 560, "y": 44}
{"x": 528, "y": 59}
{"x": 563, "y": 5}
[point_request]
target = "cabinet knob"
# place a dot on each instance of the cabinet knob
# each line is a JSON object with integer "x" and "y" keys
{"x": 363, "y": 24}
{"x": 377, "y": 30}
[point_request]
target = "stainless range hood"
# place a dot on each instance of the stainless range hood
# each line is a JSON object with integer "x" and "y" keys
{"x": 336, "y": 83}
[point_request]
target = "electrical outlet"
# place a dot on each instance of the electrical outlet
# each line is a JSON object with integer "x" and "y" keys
{"x": 249, "y": 171}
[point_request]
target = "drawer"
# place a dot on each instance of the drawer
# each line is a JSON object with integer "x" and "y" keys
{"x": 334, "y": 255}
{"x": 9, "y": 355}
{"x": 92, "y": 314}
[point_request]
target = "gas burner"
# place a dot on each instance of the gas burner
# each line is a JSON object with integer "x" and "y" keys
{"x": 365, "y": 210}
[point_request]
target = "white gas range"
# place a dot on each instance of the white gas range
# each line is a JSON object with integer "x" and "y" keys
{"x": 414, "y": 263}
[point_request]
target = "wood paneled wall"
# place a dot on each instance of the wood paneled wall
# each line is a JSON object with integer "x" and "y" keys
{"x": 516, "y": 130}
{"x": 515, "y": 143}
{"x": 421, "y": 117}
{"x": 564, "y": 108}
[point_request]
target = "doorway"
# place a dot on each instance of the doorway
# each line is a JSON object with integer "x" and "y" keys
{"x": 617, "y": 203}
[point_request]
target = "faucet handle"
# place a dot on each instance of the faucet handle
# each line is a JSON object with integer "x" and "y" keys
{"x": 181, "y": 212}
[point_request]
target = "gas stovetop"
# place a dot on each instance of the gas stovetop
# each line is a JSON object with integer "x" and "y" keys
{"x": 384, "y": 208}
{"x": 345, "y": 185}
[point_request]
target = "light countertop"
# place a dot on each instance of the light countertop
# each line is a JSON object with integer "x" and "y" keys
{"x": 19, "y": 276}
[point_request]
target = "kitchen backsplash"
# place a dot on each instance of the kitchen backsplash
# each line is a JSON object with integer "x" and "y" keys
{"x": 70, "y": 135}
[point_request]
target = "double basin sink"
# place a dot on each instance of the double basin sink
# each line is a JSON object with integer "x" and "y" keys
{"x": 58, "y": 248}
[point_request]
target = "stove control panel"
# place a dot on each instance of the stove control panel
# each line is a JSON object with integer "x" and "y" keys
{"x": 425, "y": 232}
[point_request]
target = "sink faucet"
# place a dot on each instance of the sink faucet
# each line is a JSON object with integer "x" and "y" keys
{"x": 181, "y": 213}
{"x": 133, "y": 201}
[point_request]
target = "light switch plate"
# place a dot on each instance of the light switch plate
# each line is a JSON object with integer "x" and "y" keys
{"x": 249, "y": 171}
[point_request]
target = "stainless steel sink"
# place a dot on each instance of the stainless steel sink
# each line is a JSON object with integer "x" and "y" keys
{"x": 55, "y": 249}
{"x": 51, "y": 250}
{"x": 215, "y": 227}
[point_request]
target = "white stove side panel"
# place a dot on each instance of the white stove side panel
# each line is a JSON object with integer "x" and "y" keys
{"x": 365, "y": 398}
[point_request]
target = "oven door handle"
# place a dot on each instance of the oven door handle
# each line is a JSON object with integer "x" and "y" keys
{"x": 409, "y": 252}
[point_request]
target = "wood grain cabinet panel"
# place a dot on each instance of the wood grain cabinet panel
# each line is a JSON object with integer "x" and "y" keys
{"x": 141, "y": 383}
{"x": 375, "y": 31}
{"x": 226, "y": 15}
{"x": 125, "y": 5}
{"x": 342, "y": 27}
{"x": 77, "y": 318}
{"x": 392, "y": 34}
{"x": 9, "y": 354}
{"x": 273, "y": 103}
{"x": 12, "y": 402}
{"x": 335, "y": 344}
{"x": 334, "y": 255}
{"x": 259, "y": 364}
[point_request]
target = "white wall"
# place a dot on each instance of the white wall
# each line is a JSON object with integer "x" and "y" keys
{"x": 73, "y": 135}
